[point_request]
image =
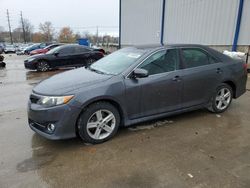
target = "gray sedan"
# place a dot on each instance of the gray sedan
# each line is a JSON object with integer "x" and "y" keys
{"x": 133, "y": 85}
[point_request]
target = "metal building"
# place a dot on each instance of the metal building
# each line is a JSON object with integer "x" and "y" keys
{"x": 210, "y": 22}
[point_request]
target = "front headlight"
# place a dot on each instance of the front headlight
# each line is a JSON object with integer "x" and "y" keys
{"x": 47, "y": 101}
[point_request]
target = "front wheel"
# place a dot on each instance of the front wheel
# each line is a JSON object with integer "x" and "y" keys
{"x": 221, "y": 99}
{"x": 42, "y": 66}
{"x": 98, "y": 123}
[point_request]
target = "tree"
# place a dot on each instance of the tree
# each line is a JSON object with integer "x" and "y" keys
{"x": 66, "y": 35}
{"x": 1, "y": 29}
{"x": 1, "y": 33}
{"x": 17, "y": 35}
{"x": 37, "y": 37}
{"x": 47, "y": 31}
{"x": 28, "y": 29}
{"x": 77, "y": 36}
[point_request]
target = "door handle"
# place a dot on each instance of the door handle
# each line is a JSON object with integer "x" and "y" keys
{"x": 176, "y": 79}
{"x": 219, "y": 71}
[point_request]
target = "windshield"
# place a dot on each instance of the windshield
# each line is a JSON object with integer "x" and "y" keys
{"x": 55, "y": 50}
{"x": 32, "y": 46}
{"x": 118, "y": 61}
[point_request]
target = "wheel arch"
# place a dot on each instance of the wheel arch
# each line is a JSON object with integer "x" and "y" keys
{"x": 112, "y": 101}
{"x": 43, "y": 59}
{"x": 232, "y": 85}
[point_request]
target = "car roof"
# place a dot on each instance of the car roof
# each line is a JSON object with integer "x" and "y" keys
{"x": 157, "y": 46}
{"x": 215, "y": 53}
{"x": 73, "y": 45}
{"x": 59, "y": 44}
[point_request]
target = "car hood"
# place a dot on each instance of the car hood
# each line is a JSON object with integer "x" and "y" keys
{"x": 66, "y": 82}
{"x": 38, "y": 56}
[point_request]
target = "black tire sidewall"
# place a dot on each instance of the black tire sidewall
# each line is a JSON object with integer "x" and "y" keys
{"x": 86, "y": 114}
{"x": 215, "y": 109}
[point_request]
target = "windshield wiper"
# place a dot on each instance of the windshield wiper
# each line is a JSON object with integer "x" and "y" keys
{"x": 95, "y": 70}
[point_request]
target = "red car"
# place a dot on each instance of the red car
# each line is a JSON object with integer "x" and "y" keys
{"x": 44, "y": 50}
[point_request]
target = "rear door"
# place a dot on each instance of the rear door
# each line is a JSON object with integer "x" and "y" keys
{"x": 159, "y": 92}
{"x": 201, "y": 75}
{"x": 82, "y": 55}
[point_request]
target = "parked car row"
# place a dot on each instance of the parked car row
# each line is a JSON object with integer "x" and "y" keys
{"x": 22, "y": 49}
{"x": 57, "y": 56}
{"x": 32, "y": 49}
{"x": 12, "y": 48}
{"x": 44, "y": 50}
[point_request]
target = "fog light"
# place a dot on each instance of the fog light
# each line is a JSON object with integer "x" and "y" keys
{"x": 51, "y": 127}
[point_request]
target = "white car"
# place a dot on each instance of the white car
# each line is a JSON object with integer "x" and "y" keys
{"x": 21, "y": 48}
{"x": 10, "y": 49}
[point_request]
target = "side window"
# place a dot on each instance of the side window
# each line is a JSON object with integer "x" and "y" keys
{"x": 67, "y": 51}
{"x": 160, "y": 62}
{"x": 42, "y": 45}
{"x": 195, "y": 58}
{"x": 81, "y": 50}
{"x": 53, "y": 46}
{"x": 213, "y": 60}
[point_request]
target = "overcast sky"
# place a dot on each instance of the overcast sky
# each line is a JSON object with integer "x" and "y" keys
{"x": 80, "y": 15}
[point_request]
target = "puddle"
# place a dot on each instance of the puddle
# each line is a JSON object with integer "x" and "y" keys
{"x": 39, "y": 160}
{"x": 150, "y": 126}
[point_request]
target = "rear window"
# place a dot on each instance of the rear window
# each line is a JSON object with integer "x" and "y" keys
{"x": 197, "y": 57}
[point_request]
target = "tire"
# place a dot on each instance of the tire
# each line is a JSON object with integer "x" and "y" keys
{"x": 92, "y": 127}
{"x": 42, "y": 66}
{"x": 221, "y": 99}
{"x": 90, "y": 61}
{"x": 2, "y": 64}
{"x": 1, "y": 58}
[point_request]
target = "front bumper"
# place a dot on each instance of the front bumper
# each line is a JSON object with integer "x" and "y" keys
{"x": 64, "y": 118}
{"x": 29, "y": 65}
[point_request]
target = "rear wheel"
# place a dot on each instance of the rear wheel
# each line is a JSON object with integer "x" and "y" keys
{"x": 43, "y": 66}
{"x": 221, "y": 99}
{"x": 90, "y": 61}
{"x": 98, "y": 123}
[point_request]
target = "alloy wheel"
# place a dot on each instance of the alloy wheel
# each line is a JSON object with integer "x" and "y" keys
{"x": 101, "y": 124}
{"x": 42, "y": 66}
{"x": 223, "y": 98}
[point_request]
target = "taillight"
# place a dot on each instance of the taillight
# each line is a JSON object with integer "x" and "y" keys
{"x": 101, "y": 53}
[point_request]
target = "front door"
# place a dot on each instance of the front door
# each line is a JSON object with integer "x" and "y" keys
{"x": 159, "y": 92}
{"x": 64, "y": 56}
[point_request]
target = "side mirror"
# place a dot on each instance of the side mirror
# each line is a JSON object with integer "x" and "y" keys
{"x": 140, "y": 73}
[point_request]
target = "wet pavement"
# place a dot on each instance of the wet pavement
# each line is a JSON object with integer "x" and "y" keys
{"x": 196, "y": 149}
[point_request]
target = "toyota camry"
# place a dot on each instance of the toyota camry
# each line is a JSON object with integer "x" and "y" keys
{"x": 133, "y": 85}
